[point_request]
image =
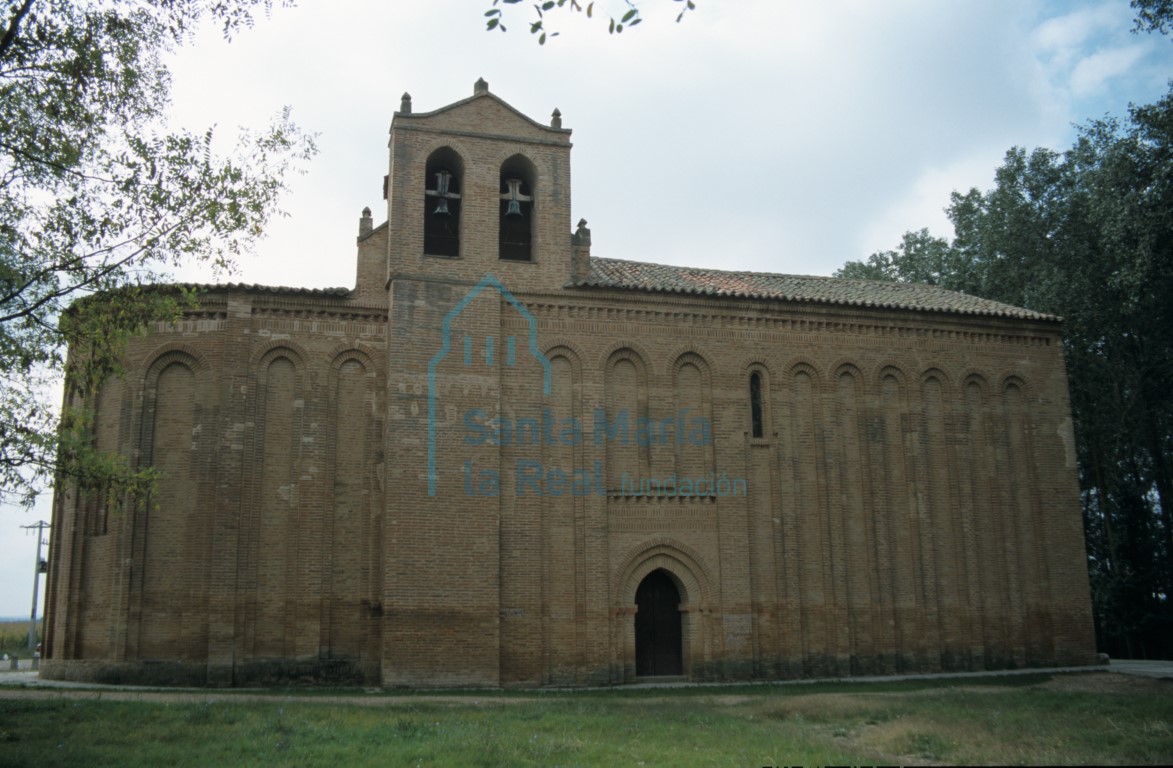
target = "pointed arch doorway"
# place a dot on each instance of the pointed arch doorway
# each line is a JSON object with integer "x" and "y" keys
{"x": 659, "y": 647}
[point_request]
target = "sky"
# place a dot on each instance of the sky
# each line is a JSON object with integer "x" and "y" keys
{"x": 767, "y": 135}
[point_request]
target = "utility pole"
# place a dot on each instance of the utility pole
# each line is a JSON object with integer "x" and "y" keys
{"x": 40, "y": 567}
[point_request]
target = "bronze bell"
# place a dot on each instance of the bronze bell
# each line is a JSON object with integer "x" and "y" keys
{"x": 514, "y": 197}
{"x": 442, "y": 193}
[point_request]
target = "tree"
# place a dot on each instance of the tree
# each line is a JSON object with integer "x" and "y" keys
{"x": 1088, "y": 235}
{"x": 495, "y": 16}
{"x": 920, "y": 258}
{"x": 1153, "y": 15}
{"x": 97, "y": 198}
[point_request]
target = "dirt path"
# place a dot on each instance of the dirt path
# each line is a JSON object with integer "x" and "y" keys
{"x": 1109, "y": 683}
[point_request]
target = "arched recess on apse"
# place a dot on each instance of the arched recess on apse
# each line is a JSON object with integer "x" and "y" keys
{"x": 804, "y": 421}
{"x": 892, "y": 390}
{"x": 173, "y": 353}
{"x": 898, "y": 538}
{"x": 353, "y": 410}
{"x": 892, "y": 387}
{"x": 804, "y": 465}
{"x": 692, "y": 388}
{"x": 172, "y": 530}
{"x": 943, "y": 561}
{"x": 272, "y": 529}
{"x": 935, "y": 374}
{"x": 626, "y": 374}
{"x": 1007, "y": 381}
{"x": 278, "y": 373}
{"x": 802, "y": 367}
{"x": 184, "y": 356}
{"x": 563, "y": 527}
{"x": 1023, "y": 504}
{"x": 570, "y": 353}
{"x": 1016, "y": 428}
{"x": 983, "y": 522}
{"x": 975, "y": 397}
{"x": 692, "y": 579}
{"x": 847, "y": 392}
{"x": 937, "y": 398}
{"x": 571, "y": 426}
{"x": 278, "y": 381}
{"x": 370, "y": 359}
{"x": 352, "y": 529}
{"x": 107, "y": 435}
{"x": 847, "y": 385}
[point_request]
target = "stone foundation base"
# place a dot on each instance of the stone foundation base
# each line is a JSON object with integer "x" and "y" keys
{"x": 343, "y": 672}
{"x": 198, "y": 675}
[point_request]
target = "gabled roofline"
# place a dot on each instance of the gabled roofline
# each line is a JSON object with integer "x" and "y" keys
{"x": 367, "y": 235}
{"x": 480, "y": 94}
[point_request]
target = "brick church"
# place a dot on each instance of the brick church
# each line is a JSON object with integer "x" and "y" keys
{"x": 501, "y": 460}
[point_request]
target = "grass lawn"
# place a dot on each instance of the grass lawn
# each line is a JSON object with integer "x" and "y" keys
{"x": 1094, "y": 718}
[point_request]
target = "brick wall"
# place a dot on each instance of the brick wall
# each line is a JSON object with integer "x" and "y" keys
{"x": 910, "y": 504}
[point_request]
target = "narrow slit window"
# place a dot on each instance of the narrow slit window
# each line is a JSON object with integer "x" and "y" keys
{"x": 755, "y": 404}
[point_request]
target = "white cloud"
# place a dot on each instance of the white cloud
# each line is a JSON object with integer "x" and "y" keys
{"x": 1063, "y": 37}
{"x": 1093, "y": 73}
{"x": 1089, "y": 56}
{"x": 924, "y": 202}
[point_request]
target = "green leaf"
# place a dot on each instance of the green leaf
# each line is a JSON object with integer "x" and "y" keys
{"x": 99, "y": 198}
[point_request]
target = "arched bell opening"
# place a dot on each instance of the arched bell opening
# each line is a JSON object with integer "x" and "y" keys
{"x": 443, "y": 180}
{"x": 516, "y": 219}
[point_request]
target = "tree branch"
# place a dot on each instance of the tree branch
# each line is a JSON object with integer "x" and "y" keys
{"x": 58, "y": 166}
{"x": 13, "y": 25}
{"x": 104, "y": 271}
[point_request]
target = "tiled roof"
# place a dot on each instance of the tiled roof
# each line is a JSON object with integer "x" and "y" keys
{"x": 642, "y": 276}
